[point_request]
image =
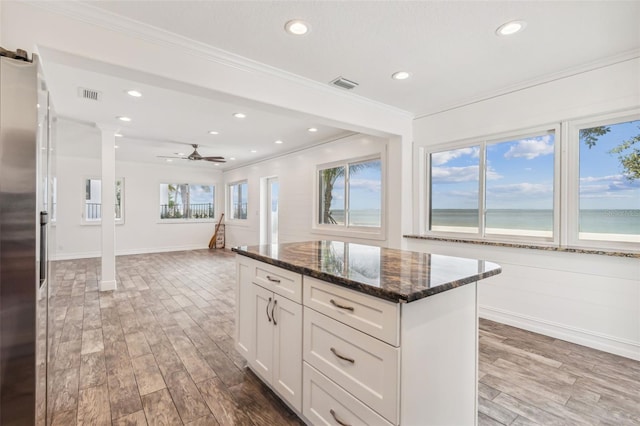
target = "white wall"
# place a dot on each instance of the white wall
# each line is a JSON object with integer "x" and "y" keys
{"x": 588, "y": 299}
{"x": 142, "y": 231}
{"x": 297, "y": 178}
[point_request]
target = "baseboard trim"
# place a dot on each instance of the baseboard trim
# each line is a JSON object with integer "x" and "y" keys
{"x": 614, "y": 345}
{"x": 92, "y": 254}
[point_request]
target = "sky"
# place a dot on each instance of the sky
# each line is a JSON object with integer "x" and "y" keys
{"x": 365, "y": 189}
{"x": 520, "y": 174}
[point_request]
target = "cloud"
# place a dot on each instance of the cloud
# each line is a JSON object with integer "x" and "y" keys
{"x": 372, "y": 185}
{"x": 531, "y": 148}
{"x": 460, "y": 174}
{"x": 604, "y": 185}
{"x": 601, "y": 178}
{"x": 523, "y": 188}
{"x": 440, "y": 158}
{"x": 454, "y": 174}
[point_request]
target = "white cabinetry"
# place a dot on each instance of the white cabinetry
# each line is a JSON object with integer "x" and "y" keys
{"x": 269, "y": 326}
{"x": 342, "y": 357}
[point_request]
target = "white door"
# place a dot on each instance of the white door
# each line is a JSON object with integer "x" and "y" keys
{"x": 273, "y": 190}
{"x": 287, "y": 351}
{"x": 262, "y": 361}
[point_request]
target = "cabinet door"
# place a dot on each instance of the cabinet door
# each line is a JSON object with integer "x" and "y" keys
{"x": 245, "y": 311}
{"x": 262, "y": 361}
{"x": 287, "y": 351}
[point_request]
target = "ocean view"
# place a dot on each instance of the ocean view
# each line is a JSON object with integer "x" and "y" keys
{"x": 365, "y": 217}
{"x": 607, "y": 221}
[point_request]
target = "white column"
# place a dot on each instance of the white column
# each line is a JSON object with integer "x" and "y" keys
{"x": 108, "y": 227}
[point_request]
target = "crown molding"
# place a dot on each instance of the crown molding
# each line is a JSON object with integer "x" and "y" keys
{"x": 111, "y": 21}
{"x": 569, "y": 72}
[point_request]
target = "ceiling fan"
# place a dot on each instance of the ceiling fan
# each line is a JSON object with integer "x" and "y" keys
{"x": 195, "y": 156}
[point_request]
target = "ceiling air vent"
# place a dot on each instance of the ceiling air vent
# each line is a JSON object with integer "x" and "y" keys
{"x": 90, "y": 94}
{"x": 344, "y": 83}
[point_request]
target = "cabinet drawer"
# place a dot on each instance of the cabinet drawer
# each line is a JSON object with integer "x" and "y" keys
{"x": 376, "y": 317}
{"x": 365, "y": 367}
{"x": 326, "y": 403}
{"x": 281, "y": 281}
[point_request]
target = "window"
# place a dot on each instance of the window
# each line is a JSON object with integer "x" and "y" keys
{"x": 501, "y": 187}
{"x": 609, "y": 180}
{"x": 186, "y": 201}
{"x": 92, "y": 208}
{"x": 238, "y": 194}
{"x": 350, "y": 194}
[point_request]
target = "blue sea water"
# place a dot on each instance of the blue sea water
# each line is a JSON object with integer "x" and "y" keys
{"x": 606, "y": 221}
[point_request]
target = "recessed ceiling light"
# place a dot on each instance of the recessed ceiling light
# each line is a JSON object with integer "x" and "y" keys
{"x": 253, "y": 151}
{"x": 134, "y": 93}
{"x": 400, "y": 75}
{"x": 312, "y": 129}
{"x": 510, "y": 28}
{"x": 278, "y": 142}
{"x": 297, "y": 27}
{"x": 216, "y": 164}
{"x": 118, "y": 135}
{"x": 116, "y": 146}
{"x": 169, "y": 160}
{"x": 122, "y": 118}
{"x": 239, "y": 115}
{"x": 213, "y": 132}
{"x": 232, "y": 158}
{"x": 179, "y": 153}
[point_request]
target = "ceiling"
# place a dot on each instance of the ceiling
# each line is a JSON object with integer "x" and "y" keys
{"x": 449, "y": 47}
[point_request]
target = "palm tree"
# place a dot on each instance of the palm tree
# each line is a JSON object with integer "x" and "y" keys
{"x": 328, "y": 179}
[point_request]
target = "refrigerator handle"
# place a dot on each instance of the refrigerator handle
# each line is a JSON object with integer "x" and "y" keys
{"x": 44, "y": 219}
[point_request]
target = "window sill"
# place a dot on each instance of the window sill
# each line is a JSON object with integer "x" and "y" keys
{"x": 377, "y": 234}
{"x": 98, "y": 223}
{"x": 634, "y": 255}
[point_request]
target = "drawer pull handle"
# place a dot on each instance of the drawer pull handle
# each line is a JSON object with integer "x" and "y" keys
{"x": 268, "y": 309}
{"x": 273, "y": 280}
{"x": 337, "y": 305}
{"x": 351, "y": 360}
{"x": 275, "y": 302}
{"x": 337, "y": 419}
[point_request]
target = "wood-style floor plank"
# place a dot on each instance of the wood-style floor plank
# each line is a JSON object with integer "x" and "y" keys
{"x": 159, "y": 350}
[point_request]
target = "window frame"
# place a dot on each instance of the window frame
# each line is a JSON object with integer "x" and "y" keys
{"x": 229, "y": 201}
{"x": 187, "y": 220}
{"x": 365, "y": 232}
{"x": 482, "y": 143}
{"x": 573, "y": 180}
{"x": 83, "y": 219}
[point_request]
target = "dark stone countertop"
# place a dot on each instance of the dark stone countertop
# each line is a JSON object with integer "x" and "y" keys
{"x": 395, "y": 275}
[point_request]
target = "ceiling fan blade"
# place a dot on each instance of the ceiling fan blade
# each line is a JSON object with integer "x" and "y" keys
{"x": 214, "y": 159}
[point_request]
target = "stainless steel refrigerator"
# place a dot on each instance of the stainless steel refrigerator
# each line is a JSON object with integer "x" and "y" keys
{"x": 24, "y": 210}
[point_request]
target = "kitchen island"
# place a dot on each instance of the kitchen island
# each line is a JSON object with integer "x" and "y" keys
{"x": 352, "y": 334}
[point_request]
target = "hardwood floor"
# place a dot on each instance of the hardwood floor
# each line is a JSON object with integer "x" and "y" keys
{"x": 159, "y": 351}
